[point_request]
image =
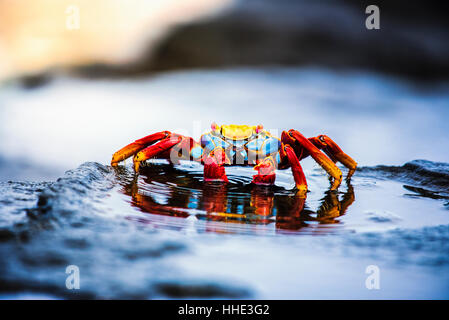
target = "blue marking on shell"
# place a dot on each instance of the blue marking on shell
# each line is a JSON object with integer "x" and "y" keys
{"x": 263, "y": 145}
{"x": 278, "y": 158}
{"x": 218, "y": 142}
{"x": 206, "y": 142}
{"x": 245, "y": 154}
{"x": 210, "y": 142}
{"x": 255, "y": 145}
{"x": 271, "y": 146}
{"x": 196, "y": 152}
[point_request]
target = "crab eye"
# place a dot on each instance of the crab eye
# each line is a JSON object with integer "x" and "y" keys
{"x": 259, "y": 128}
{"x": 214, "y": 126}
{"x": 322, "y": 138}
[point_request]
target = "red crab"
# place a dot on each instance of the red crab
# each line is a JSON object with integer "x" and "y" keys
{"x": 228, "y": 145}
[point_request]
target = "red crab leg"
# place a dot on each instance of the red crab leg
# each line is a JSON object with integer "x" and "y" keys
{"x": 149, "y": 205}
{"x": 262, "y": 202}
{"x": 265, "y": 175}
{"x": 291, "y": 219}
{"x": 334, "y": 152}
{"x": 215, "y": 199}
{"x": 213, "y": 165}
{"x": 298, "y": 174}
{"x": 136, "y": 146}
{"x": 154, "y": 150}
{"x": 293, "y": 138}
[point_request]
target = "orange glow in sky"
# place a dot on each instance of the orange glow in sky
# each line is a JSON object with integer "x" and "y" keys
{"x": 36, "y": 35}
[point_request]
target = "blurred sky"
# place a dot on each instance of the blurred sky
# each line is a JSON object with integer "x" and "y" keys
{"x": 34, "y": 35}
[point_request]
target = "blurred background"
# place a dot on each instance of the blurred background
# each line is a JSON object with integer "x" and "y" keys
{"x": 81, "y": 78}
{"x": 131, "y": 37}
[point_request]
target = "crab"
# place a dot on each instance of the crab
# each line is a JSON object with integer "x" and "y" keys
{"x": 243, "y": 145}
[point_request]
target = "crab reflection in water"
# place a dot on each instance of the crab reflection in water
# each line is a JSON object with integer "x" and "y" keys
{"x": 168, "y": 191}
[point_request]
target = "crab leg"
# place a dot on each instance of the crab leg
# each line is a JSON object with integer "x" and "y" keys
{"x": 298, "y": 174}
{"x": 332, "y": 207}
{"x": 292, "y": 219}
{"x": 265, "y": 172}
{"x": 154, "y": 150}
{"x": 296, "y": 139}
{"x": 213, "y": 165}
{"x": 262, "y": 202}
{"x": 334, "y": 152}
{"x": 136, "y": 146}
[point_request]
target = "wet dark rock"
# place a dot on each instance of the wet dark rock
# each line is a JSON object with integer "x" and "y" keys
{"x": 77, "y": 243}
{"x": 74, "y": 191}
{"x": 166, "y": 248}
{"x": 68, "y": 225}
{"x": 35, "y": 81}
{"x": 6, "y": 235}
{"x": 412, "y": 41}
{"x": 421, "y": 192}
{"x": 418, "y": 173}
{"x": 382, "y": 217}
{"x": 15, "y": 199}
{"x": 427, "y": 246}
{"x": 199, "y": 290}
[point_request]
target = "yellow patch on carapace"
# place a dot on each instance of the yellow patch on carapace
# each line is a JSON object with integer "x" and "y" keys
{"x": 237, "y": 132}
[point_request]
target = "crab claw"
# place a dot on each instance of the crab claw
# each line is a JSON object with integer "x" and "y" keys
{"x": 154, "y": 150}
{"x": 136, "y": 146}
{"x": 334, "y": 151}
{"x": 265, "y": 175}
{"x": 295, "y": 138}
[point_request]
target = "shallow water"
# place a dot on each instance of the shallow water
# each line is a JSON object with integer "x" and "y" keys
{"x": 171, "y": 237}
{"x": 180, "y": 191}
{"x": 167, "y": 234}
